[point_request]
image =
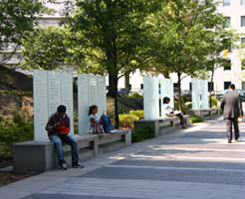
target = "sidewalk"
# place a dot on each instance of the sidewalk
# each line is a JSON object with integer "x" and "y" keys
{"x": 196, "y": 163}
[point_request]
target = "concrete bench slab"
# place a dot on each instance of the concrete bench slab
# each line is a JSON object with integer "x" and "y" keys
{"x": 36, "y": 156}
{"x": 161, "y": 125}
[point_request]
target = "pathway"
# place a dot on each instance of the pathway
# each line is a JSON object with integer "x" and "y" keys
{"x": 193, "y": 164}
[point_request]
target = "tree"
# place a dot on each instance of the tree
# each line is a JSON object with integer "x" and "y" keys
{"x": 114, "y": 35}
{"x": 224, "y": 41}
{"x": 56, "y": 48}
{"x": 16, "y": 18}
{"x": 182, "y": 37}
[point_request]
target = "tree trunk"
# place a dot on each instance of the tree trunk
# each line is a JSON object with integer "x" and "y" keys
{"x": 127, "y": 81}
{"x": 179, "y": 92}
{"x": 113, "y": 92}
{"x": 212, "y": 88}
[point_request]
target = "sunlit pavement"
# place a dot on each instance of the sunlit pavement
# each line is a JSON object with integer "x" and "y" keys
{"x": 197, "y": 163}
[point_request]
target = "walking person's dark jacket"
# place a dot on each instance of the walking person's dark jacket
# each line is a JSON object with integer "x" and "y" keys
{"x": 231, "y": 105}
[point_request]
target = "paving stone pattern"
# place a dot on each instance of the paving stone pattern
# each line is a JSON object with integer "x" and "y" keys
{"x": 195, "y": 165}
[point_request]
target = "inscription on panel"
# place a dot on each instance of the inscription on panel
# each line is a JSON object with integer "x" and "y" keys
{"x": 200, "y": 94}
{"x": 50, "y": 90}
{"x": 167, "y": 90}
{"x": 151, "y": 98}
{"x": 40, "y": 104}
{"x": 83, "y": 103}
{"x": 91, "y": 91}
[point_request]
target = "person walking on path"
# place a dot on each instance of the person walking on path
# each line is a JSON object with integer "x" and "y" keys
{"x": 232, "y": 108}
{"x": 58, "y": 128}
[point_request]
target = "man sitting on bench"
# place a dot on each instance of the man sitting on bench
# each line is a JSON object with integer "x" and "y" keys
{"x": 170, "y": 112}
{"x": 58, "y": 128}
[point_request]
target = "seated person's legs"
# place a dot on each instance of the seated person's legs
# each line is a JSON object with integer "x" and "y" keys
{"x": 181, "y": 117}
{"x": 58, "y": 147}
{"x": 74, "y": 148}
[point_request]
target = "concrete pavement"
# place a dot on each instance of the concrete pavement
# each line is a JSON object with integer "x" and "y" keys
{"x": 194, "y": 163}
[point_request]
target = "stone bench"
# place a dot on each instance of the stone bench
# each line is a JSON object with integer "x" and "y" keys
{"x": 161, "y": 125}
{"x": 205, "y": 113}
{"x": 36, "y": 156}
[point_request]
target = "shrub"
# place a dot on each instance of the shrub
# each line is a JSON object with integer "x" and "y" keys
{"x": 18, "y": 129}
{"x": 135, "y": 95}
{"x": 195, "y": 119}
{"x": 142, "y": 133}
{"x": 12, "y": 134}
{"x": 127, "y": 120}
{"x": 214, "y": 102}
{"x": 187, "y": 106}
{"x": 138, "y": 113}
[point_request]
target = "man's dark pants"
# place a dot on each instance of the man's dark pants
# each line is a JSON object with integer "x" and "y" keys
{"x": 229, "y": 123}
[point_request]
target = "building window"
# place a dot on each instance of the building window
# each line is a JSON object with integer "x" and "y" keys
{"x": 243, "y": 40}
{"x": 226, "y": 85}
{"x": 190, "y": 86}
{"x": 226, "y": 2}
{"x": 227, "y": 22}
{"x": 242, "y": 2}
{"x": 141, "y": 86}
{"x": 227, "y": 64}
{"x": 243, "y": 64}
{"x": 227, "y": 44}
{"x": 210, "y": 86}
{"x": 242, "y": 21}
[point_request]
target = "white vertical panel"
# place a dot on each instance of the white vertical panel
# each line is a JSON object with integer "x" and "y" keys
{"x": 205, "y": 95}
{"x": 66, "y": 81}
{"x": 83, "y": 103}
{"x": 54, "y": 92}
{"x": 167, "y": 90}
{"x": 51, "y": 89}
{"x": 40, "y": 93}
{"x": 101, "y": 98}
{"x": 92, "y": 92}
{"x": 151, "y": 98}
{"x": 200, "y": 94}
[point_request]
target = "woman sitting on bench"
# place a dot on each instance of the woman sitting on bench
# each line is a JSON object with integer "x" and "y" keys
{"x": 99, "y": 125}
{"x": 170, "y": 112}
{"x": 95, "y": 125}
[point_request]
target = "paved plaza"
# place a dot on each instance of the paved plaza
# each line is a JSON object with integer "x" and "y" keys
{"x": 196, "y": 163}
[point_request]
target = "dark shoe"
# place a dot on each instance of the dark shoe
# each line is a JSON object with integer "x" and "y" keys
{"x": 229, "y": 141}
{"x": 63, "y": 166}
{"x": 77, "y": 165}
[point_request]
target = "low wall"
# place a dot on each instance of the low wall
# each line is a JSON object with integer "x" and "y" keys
{"x": 154, "y": 128}
{"x": 36, "y": 156}
{"x": 205, "y": 113}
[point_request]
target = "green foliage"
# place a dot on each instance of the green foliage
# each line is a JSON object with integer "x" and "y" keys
{"x": 16, "y": 92}
{"x": 135, "y": 95}
{"x": 137, "y": 113}
{"x": 195, "y": 119}
{"x": 114, "y": 34}
{"x": 16, "y": 18}
{"x": 45, "y": 48}
{"x": 18, "y": 129}
{"x": 142, "y": 134}
{"x": 127, "y": 120}
{"x": 187, "y": 106}
{"x": 214, "y": 102}
{"x": 184, "y": 37}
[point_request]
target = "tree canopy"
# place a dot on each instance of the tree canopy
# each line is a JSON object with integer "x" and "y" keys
{"x": 16, "y": 18}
